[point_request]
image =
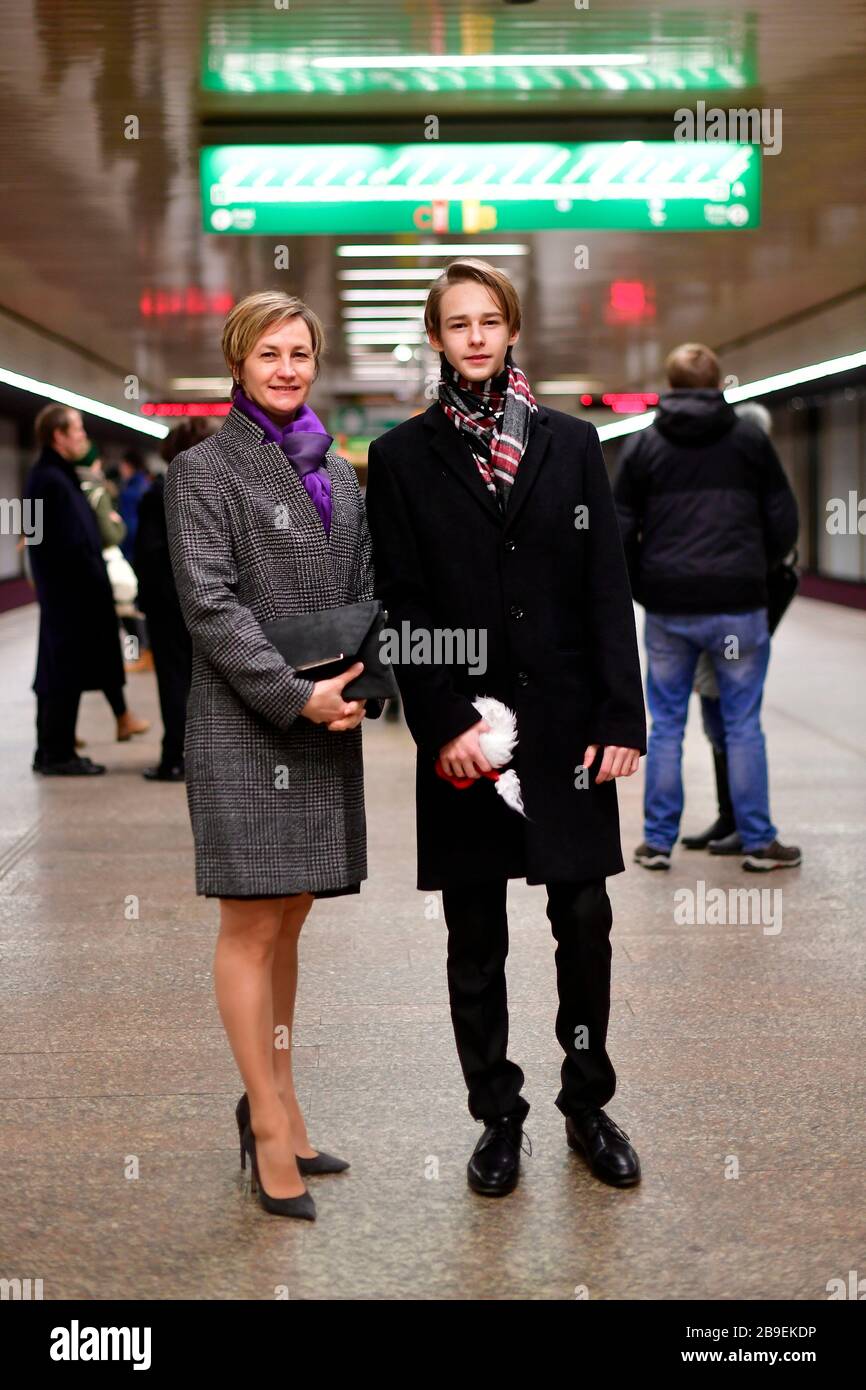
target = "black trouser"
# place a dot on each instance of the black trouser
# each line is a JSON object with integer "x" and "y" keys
{"x": 137, "y": 628}
{"x": 56, "y": 716}
{"x": 116, "y": 698}
{"x": 580, "y": 916}
{"x": 172, "y": 656}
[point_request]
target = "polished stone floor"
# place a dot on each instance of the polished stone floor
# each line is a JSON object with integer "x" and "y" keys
{"x": 738, "y": 1050}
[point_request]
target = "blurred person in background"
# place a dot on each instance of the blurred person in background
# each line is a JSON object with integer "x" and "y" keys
{"x": 112, "y": 527}
{"x": 722, "y": 837}
{"x": 135, "y": 480}
{"x": 78, "y": 642}
{"x": 158, "y": 600}
{"x": 705, "y": 512}
{"x": 112, "y": 530}
{"x": 134, "y": 483}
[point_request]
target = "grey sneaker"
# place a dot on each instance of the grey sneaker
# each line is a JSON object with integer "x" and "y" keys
{"x": 652, "y": 858}
{"x": 774, "y": 856}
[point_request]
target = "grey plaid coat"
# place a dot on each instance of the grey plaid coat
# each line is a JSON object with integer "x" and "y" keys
{"x": 276, "y": 802}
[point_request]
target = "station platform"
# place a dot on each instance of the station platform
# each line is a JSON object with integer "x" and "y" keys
{"x": 738, "y": 1050}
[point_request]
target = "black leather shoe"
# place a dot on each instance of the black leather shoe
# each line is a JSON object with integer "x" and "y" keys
{"x": 729, "y": 844}
{"x": 719, "y": 830}
{"x": 73, "y": 767}
{"x": 605, "y": 1147}
{"x": 165, "y": 773}
{"x": 494, "y": 1167}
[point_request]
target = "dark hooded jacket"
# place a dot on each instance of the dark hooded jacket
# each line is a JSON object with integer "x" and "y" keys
{"x": 704, "y": 507}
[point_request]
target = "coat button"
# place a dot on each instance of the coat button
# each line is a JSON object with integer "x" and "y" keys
{"x": 522, "y": 678}
{"x": 516, "y": 611}
{"x": 509, "y": 545}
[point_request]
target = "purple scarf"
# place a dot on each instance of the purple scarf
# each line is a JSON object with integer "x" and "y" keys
{"x": 305, "y": 442}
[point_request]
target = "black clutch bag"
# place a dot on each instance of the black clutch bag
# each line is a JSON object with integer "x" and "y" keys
{"x": 321, "y": 645}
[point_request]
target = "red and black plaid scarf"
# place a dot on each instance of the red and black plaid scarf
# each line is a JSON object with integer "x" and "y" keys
{"x": 496, "y": 415}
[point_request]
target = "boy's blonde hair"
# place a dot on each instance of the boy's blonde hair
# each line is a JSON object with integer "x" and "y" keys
{"x": 496, "y": 281}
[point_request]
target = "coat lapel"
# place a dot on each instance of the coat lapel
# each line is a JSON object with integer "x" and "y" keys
{"x": 530, "y": 466}
{"x": 344, "y": 521}
{"x": 453, "y": 449}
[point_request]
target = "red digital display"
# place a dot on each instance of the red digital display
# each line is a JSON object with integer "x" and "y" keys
{"x": 188, "y": 301}
{"x": 622, "y": 402}
{"x": 630, "y": 301}
{"x": 186, "y": 408}
{"x": 629, "y": 402}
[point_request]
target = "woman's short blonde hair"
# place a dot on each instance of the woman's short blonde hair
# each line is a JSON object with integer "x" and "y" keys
{"x": 494, "y": 280}
{"x": 251, "y": 317}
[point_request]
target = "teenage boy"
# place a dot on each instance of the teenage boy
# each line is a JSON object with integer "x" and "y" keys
{"x": 491, "y": 514}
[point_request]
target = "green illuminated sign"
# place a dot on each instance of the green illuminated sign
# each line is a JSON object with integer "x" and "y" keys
{"x": 434, "y": 187}
{"x": 309, "y": 53}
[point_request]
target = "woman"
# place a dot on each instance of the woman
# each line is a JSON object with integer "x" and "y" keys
{"x": 264, "y": 521}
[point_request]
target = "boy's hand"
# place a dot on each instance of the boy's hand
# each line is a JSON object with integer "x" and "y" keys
{"x": 616, "y": 762}
{"x": 462, "y": 757}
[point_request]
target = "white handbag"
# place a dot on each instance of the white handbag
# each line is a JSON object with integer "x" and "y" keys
{"x": 124, "y": 584}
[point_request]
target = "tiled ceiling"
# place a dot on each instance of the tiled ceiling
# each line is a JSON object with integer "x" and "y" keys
{"x": 103, "y": 240}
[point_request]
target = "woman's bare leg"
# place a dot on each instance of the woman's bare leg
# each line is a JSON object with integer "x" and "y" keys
{"x": 243, "y": 970}
{"x": 284, "y": 985}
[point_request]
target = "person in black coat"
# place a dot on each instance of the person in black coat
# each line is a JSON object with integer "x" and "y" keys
{"x": 493, "y": 519}
{"x": 79, "y": 648}
{"x": 157, "y": 598}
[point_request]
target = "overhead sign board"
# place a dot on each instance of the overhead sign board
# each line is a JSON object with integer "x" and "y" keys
{"x": 336, "y": 53}
{"x": 631, "y": 185}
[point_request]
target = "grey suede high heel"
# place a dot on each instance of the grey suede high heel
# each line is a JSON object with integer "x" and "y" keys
{"x": 308, "y": 1167}
{"x": 301, "y": 1206}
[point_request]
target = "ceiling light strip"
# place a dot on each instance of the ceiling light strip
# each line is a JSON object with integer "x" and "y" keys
{"x": 506, "y": 248}
{"x": 79, "y": 402}
{"x": 800, "y": 376}
{"x": 417, "y": 297}
{"x": 482, "y": 60}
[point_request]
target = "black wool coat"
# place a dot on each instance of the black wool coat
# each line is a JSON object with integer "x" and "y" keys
{"x": 157, "y": 591}
{"x": 548, "y": 585}
{"x": 79, "y": 641}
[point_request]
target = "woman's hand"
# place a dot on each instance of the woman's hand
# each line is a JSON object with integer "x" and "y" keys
{"x": 616, "y": 762}
{"x": 327, "y": 706}
{"x": 351, "y": 721}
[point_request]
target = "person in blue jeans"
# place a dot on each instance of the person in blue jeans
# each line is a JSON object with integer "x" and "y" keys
{"x": 705, "y": 512}
{"x": 738, "y": 645}
{"x": 722, "y": 837}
